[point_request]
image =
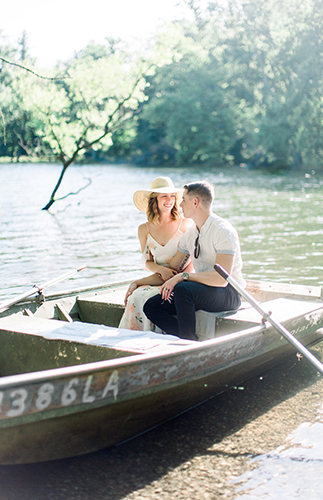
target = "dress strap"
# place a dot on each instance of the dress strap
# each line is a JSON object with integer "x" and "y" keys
{"x": 180, "y": 224}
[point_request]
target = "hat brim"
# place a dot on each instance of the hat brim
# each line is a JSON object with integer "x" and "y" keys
{"x": 140, "y": 198}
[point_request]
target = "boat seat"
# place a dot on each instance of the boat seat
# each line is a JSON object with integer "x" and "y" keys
{"x": 210, "y": 325}
{"x": 63, "y": 315}
{"x": 206, "y": 323}
{"x": 283, "y": 310}
{"x": 107, "y": 309}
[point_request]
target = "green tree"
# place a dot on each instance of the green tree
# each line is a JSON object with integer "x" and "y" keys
{"x": 190, "y": 101}
{"x": 11, "y": 121}
{"x": 83, "y": 111}
{"x": 278, "y": 49}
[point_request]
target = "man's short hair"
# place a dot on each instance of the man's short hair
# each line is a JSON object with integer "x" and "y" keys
{"x": 202, "y": 190}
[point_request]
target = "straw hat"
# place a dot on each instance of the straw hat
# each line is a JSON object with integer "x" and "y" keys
{"x": 159, "y": 185}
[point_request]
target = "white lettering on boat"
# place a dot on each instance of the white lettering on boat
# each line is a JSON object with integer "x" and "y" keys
{"x": 18, "y": 404}
{"x": 69, "y": 394}
{"x": 112, "y": 385}
{"x": 44, "y": 396}
{"x": 299, "y": 330}
{"x": 50, "y": 396}
{"x": 86, "y": 394}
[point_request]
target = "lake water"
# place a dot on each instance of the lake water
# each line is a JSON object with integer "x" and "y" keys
{"x": 294, "y": 470}
{"x": 279, "y": 219}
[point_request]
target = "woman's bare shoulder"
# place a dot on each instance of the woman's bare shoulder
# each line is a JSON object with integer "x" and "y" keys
{"x": 186, "y": 223}
{"x": 143, "y": 230}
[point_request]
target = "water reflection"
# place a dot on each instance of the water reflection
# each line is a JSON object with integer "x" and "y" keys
{"x": 292, "y": 471}
{"x": 279, "y": 219}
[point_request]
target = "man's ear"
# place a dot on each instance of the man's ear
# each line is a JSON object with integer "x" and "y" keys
{"x": 196, "y": 202}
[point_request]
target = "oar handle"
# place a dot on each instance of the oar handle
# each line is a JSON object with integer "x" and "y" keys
{"x": 221, "y": 271}
{"x": 249, "y": 298}
{"x": 267, "y": 317}
{"x": 60, "y": 278}
{"x": 37, "y": 289}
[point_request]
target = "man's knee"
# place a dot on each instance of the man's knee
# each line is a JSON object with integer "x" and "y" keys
{"x": 146, "y": 307}
{"x": 183, "y": 290}
{"x": 181, "y": 287}
{"x": 150, "y": 305}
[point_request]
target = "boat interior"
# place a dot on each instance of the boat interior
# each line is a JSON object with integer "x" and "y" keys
{"x": 82, "y": 327}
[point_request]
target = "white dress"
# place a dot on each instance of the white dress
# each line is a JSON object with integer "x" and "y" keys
{"x": 134, "y": 317}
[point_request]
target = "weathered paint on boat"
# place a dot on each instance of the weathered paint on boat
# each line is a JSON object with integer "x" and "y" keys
{"x": 78, "y": 408}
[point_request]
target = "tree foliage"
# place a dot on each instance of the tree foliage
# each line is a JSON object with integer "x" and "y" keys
{"x": 73, "y": 114}
{"x": 237, "y": 82}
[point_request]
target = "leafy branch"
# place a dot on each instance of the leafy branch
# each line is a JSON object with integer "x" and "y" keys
{"x": 111, "y": 124}
{"x": 33, "y": 72}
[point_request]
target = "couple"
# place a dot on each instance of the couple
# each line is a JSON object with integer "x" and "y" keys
{"x": 182, "y": 252}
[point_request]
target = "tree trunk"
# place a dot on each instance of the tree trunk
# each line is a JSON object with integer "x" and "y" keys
{"x": 52, "y": 196}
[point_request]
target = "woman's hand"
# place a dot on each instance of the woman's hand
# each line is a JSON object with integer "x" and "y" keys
{"x": 168, "y": 287}
{"x": 166, "y": 273}
{"x": 132, "y": 287}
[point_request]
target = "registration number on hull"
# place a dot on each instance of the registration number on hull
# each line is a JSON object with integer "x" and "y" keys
{"x": 59, "y": 394}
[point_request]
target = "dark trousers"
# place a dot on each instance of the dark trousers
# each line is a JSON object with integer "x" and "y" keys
{"x": 189, "y": 297}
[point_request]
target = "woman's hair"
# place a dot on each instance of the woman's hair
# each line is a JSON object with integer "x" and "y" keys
{"x": 153, "y": 211}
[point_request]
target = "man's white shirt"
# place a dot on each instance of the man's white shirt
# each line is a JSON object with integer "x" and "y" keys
{"x": 217, "y": 236}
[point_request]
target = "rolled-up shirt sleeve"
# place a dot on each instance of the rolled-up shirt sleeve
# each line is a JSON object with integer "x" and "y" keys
{"x": 226, "y": 241}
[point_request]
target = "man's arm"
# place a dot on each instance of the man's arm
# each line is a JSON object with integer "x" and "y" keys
{"x": 210, "y": 278}
{"x": 180, "y": 261}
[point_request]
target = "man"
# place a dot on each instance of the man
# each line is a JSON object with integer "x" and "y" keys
{"x": 211, "y": 240}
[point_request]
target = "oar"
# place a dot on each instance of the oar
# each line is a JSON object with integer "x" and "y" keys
{"x": 267, "y": 317}
{"x": 38, "y": 289}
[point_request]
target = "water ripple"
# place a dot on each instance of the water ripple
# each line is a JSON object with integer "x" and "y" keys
{"x": 279, "y": 219}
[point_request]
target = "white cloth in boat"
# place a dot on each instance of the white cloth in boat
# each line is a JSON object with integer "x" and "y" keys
{"x": 134, "y": 317}
{"x": 101, "y": 335}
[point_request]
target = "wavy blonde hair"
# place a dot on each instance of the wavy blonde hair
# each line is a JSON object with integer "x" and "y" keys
{"x": 153, "y": 213}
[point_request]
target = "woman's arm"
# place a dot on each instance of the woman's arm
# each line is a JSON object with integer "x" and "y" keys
{"x": 143, "y": 235}
{"x": 164, "y": 272}
{"x": 153, "y": 280}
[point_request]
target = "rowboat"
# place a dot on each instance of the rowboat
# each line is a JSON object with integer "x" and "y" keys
{"x": 72, "y": 382}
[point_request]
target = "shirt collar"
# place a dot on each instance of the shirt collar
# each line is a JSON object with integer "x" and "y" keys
{"x": 206, "y": 224}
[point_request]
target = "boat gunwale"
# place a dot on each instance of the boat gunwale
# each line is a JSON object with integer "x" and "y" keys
{"x": 309, "y": 291}
{"x": 97, "y": 366}
{"x": 56, "y": 373}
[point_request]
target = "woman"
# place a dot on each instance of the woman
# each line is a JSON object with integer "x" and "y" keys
{"x": 159, "y": 238}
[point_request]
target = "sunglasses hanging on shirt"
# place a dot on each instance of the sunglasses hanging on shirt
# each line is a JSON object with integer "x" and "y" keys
{"x": 197, "y": 247}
